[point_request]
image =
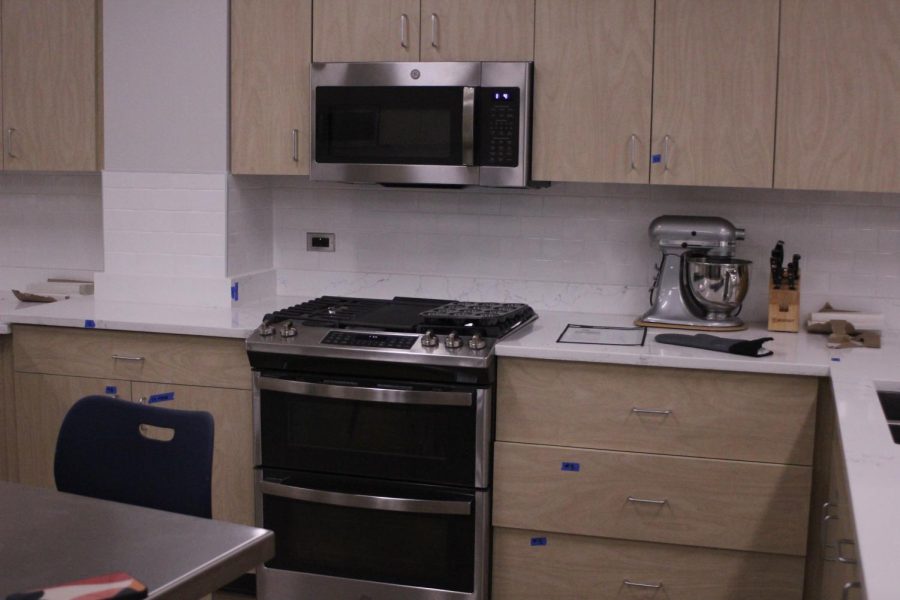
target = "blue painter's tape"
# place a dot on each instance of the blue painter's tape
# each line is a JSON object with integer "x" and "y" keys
{"x": 571, "y": 466}
{"x": 835, "y": 359}
{"x": 89, "y": 324}
{"x": 165, "y": 396}
{"x": 656, "y": 158}
{"x": 538, "y": 541}
{"x": 234, "y": 291}
{"x": 111, "y": 389}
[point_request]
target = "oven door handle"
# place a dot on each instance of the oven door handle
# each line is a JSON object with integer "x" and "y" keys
{"x": 406, "y": 505}
{"x": 366, "y": 394}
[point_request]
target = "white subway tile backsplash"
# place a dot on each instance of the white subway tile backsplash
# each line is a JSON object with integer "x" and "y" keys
{"x": 574, "y": 246}
{"x": 50, "y": 222}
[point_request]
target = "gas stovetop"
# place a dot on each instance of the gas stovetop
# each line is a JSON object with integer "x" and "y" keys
{"x": 420, "y": 330}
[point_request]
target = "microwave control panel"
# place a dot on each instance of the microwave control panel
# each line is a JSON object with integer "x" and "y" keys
{"x": 498, "y": 126}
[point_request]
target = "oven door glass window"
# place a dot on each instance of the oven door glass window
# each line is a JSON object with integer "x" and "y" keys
{"x": 421, "y": 536}
{"x": 393, "y": 435}
{"x": 389, "y": 125}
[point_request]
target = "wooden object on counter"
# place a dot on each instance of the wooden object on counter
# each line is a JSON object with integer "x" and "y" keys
{"x": 784, "y": 307}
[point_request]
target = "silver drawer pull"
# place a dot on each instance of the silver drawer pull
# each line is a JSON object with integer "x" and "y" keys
{"x": 650, "y": 586}
{"x": 845, "y": 594}
{"x": 840, "y": 552}
{"x": 651, "y": 411}
{"x": 126, "y": 357}
{"x": 648, "y": 501}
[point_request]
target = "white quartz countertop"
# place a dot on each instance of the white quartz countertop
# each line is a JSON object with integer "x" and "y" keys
{"x": 88, "y": 312}
{"x": 872, "y": 459}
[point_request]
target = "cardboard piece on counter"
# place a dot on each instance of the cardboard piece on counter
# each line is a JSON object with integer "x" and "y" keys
{"x": 843, "y": 335}
{"x": 823, "y": 326}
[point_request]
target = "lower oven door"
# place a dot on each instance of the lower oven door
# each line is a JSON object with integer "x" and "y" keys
{"x": 356, "y": 539}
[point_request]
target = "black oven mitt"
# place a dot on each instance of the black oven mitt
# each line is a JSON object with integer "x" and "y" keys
{"x": 705, "y": 341}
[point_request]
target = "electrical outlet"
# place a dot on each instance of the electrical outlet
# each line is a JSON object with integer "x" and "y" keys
{"x": 319, "y": 242}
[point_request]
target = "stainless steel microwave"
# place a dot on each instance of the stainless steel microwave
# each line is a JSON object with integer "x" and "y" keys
{"x": 426, "y": 123}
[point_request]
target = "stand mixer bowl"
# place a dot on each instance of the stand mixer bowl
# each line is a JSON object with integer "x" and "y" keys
{"x": 718, "y": 283}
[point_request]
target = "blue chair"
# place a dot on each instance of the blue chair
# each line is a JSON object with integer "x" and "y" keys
{"x": 102, "y": 452}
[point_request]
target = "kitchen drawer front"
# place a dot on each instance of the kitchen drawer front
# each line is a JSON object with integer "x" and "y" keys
{"x": 152, "y": 357}
{"x": 535, "y": 565}
{"x": 691, "y": 501}
{"x": 710, "y": 414}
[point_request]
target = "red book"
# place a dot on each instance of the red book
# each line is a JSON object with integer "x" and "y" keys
{"x": 112, "y": 585}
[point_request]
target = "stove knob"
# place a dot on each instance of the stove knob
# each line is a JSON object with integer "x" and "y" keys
{"x": 266, "y": 329}
{"x": 452, "y": 340}
{"x": 288, "y": 330}
{"x": 429, "y": 340}
{"x": 476, "y": 342}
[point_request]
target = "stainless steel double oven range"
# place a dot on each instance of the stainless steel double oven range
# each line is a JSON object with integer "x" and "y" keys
{"x": 373, "y": 426}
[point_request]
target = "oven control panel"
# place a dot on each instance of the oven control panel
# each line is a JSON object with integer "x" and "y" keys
{"x": 370, "y": 340}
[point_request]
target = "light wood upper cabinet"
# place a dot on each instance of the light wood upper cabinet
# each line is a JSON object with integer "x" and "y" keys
{"x": 427, "y": 30}
{"x": 593, "y": 78}
{"x": 501, "y": 30}
{"x": 365, "y": 30}
{"x": 49, "y": 76}
{"x": 839, "y": 96}
{"x": 270, "y": 57}
{"x": 715, "y": 66}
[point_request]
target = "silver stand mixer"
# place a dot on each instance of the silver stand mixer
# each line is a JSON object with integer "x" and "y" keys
{"x": 699, "y": 284}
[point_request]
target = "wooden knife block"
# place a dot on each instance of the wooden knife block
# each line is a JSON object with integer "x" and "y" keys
{"x": 784, "y": 307}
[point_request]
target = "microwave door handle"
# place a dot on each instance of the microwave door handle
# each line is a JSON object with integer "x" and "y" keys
{"x": 468, "y": 127}
{"x": 406, "y": 505}
{"x": 366, "y": 394}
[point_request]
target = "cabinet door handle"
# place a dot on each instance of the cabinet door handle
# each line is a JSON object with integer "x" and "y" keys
{"x": 667, "y": 139}
{"x": 825, "y": 545}
{"x": 845, "y": 594}
{"x": 650, "y": 586}
{"x": 840, "y": 552}
{"x": 651, "y": 411}
{"x": 648, "y": 501}
{"x": 404, "y": 31}
{"x": 435, "y": 31}
{"x": 632, "y": 149}
{"x": 9, "y": 143}
{"x": 295, "y": 145}
{"x": 126, "y": 357}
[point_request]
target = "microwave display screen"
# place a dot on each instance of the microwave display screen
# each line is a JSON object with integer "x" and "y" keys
{"x": 389, "y": 125}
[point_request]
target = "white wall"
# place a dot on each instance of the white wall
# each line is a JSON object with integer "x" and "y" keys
{"x": 165, "y": 196}
{"x": 165, "y": 85}
{"x": 50, "y": 226}
{"x": 575, "y": 246}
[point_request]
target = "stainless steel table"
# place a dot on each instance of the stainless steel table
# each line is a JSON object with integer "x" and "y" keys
{"x": 47, "y": 537}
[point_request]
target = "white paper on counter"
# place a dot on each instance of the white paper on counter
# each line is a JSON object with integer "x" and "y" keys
{"x": 605, "y": 336}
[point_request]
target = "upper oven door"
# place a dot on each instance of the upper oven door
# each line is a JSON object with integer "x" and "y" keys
{"x": 408, "y": 434}
{"x": 394, "y": 122}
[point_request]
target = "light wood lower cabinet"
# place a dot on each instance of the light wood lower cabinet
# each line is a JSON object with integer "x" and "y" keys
{"x": 535, "y": 565}
{"x": 701, "y": 502}
{"x": 57, "y": 366}
{"x": 685, "y": 412}
{"x": 232, "y": 481}
{"x": 41, "y": 403}
{"x": 687, "y": 484}
{"x": 8, "y": 466}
